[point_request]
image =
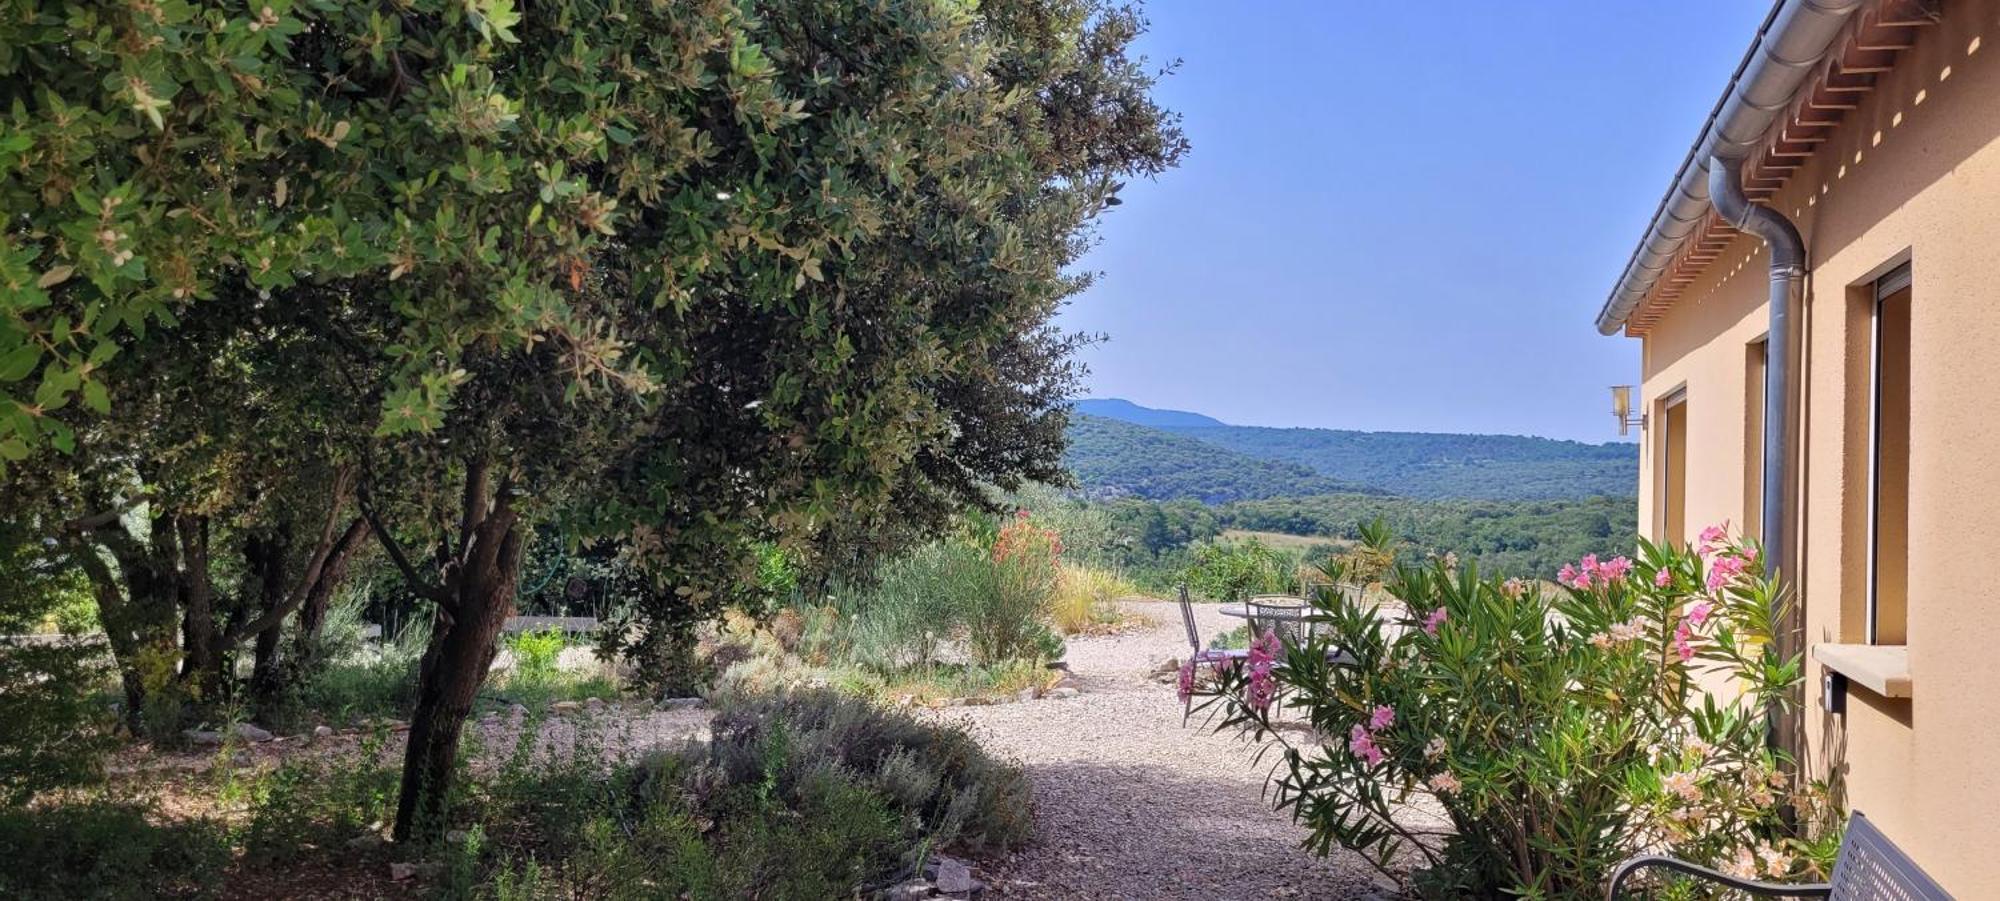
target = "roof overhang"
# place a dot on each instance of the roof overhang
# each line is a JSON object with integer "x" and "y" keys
{"x": 1811, "y": 62}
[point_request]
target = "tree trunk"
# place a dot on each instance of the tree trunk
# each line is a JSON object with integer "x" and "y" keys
{"x": 265, "y": 558}
{"x": 312, "y": 616}
{"x": 477, "y": 597}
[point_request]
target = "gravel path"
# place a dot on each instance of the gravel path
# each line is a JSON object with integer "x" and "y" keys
{"x": 1132, "y": 804}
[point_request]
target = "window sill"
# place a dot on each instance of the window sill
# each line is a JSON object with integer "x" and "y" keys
{"x": 1881, "y": 668}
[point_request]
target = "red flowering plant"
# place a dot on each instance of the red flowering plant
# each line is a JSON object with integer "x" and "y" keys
{"x": 1556, "y": 731}
{"x": 1012, "y": 623}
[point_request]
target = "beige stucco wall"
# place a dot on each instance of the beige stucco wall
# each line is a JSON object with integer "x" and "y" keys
{"x": 1912, "y": 175}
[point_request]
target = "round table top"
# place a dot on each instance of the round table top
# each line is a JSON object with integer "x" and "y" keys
{"x": 1242, "y": 611}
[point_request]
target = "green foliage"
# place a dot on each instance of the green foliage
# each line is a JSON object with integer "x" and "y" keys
{"x": 57, "y": 726}
{"x": 1558, "y": 733}
{"x": 1234, "y": 570}
{"x": 1522, "y": 538}
{"x": 916, "y": 604}
{"x": 372, "y": 681}
{"x": 108, "y": 850}
{"x": 535, "y": 654}
{"x": 313, "y": 802}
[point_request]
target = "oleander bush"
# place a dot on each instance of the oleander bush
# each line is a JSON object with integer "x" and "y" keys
{"x": 1557, "y": 733}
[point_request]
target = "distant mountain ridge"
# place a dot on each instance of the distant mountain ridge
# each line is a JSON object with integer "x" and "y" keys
{"x": 1126, "y": 411}
{"x": 1410, "y": 464}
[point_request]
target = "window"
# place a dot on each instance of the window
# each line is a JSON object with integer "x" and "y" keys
{"x": 1755, "y": 379}
{"x": 1889, "y": 462}
{"x": 1673, "y": 469}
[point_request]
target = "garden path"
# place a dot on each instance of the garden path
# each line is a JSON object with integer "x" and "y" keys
{"x": 1131, "y": 803}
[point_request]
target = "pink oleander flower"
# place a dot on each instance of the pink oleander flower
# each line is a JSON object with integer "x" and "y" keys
{"x": 1700, "y": 749}
{"x": 1725, "y": 569}
{"x": 1381, "y": 718}
{"x": 1514, "y": 588}
{"x": 1444, "y": 783}
{"x": 1614, "y": 570}
{"x": 1362, "y": 744}
{"x": 1187, "y": 681}
{"x": 1601, "y": 641}
{"x": 1713, "y": 535}
{"x": 1684, "y": 785}
{"x": 1699, "y": 613}
{"x": 1263, "y": 690}
{"x": 1663, "y": 578}
{"x": 1434, "y": 749}
{"x": 1566, "y": 575}
{"x": 1682, "y": 646}
{"x": 1433, "y": 621}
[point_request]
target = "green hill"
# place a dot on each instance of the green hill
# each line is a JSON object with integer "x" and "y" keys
{"x": 1434, "y": 465}
{"x": 1119, "y": 459}
{"x": 1126, "y": 411}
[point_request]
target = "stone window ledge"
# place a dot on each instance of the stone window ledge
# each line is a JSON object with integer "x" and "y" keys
{"x": 1881, "y": 668}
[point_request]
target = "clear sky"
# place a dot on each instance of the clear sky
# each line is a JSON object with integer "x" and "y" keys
{"x": 1401, "y": 216}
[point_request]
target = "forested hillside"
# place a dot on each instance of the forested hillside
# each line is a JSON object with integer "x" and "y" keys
{"x": 1425, "y": 464}
{"x": 1516, "y": 537}
{"x": 1119, "y": 459}
{"x": 1127, "y": 411}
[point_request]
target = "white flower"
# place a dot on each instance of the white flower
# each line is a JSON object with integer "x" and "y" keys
{"x": 1743, "y": 865}
{"x": 1434, "y": 749}
{"x": 1444, "y": 783}
{"x": 1774, "y": 861}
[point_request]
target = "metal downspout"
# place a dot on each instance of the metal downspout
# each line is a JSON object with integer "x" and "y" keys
{"x": 1781, "y": 413}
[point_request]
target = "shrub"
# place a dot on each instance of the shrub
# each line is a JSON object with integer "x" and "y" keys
{"x": 916, "y": 603}
{"x": 377, "y": 681}
{"x": 1234, "y": 570}
{"x": 108, "y": 850}
{"x": 56, "y": 729}
{"x": 1559, "y": 734}
{"x": 536, "y": 654}
{"x": 1086, "y": 598}
{"x": 1008, "y": 621}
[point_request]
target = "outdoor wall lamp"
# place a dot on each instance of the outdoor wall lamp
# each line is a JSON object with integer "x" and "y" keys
{"x": 1621, "y": 410}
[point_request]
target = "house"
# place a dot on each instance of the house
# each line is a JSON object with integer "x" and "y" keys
{"x": 1818, "y": 302}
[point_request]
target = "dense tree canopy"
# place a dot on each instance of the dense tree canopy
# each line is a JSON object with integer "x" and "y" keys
{"x": 687, "y": 277}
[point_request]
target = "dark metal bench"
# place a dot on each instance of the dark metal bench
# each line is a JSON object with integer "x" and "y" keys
{"x": 1870, "y": 868}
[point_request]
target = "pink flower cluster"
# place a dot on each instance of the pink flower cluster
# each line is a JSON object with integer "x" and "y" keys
{"x": 1433, "y": 621}
{"x": 1588, "y": 572}
{"x": 1187, "y": 680}
{"x": 1723, "y": 570}
{"x": 1361, "y": 739}
{"x": 1263, "y": 658}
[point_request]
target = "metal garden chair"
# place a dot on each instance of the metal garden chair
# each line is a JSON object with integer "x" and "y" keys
{"x": 1199, "y": 655}
{"x": 1870, "y": 868}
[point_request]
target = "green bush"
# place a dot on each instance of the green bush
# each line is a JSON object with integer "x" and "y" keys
{"x": 108, "y": 850}
{"x": 797, "y": 795}
{"x": 917, "y": 602}
{"x": 57, "y": 727}
{"x": 371, "y": 682}
{"x": 1558, "y": 734}
{"x": 1234, "y": 570}
{"x": 536, "y": 654}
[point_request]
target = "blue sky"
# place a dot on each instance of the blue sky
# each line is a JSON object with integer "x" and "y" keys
{"x": 1400, "y": 216}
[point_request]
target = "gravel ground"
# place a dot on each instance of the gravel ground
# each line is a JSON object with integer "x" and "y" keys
{"x": 1131, "y": 803}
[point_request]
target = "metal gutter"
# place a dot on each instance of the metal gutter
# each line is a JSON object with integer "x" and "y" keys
{"x": 1791, "y": 43}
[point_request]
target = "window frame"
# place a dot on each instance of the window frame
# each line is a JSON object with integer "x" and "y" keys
{"x": 1887, "y": 286}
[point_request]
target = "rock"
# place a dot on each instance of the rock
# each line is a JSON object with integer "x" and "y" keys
{"x": 367, "y": 841}
{"x": 202, "y": 737}
{"x": 594, "y": 703}
{"x": 1059, "y": 665}
{"x": 517, "y": 710}
{"x": 1167, "y": 671}
{"x": 1027, "y": 694}
{"x": 909, "y": 891}
{"x": 561, "y": 707}
{"x": 683, "y": 704}
{"x": 322, "y": 732}
{"x": 401, "y": 872}
{"x": 954, "y": 876}
{"x": 977, "y": 701}
{"x": 954, "y": 702}
{"x": 252, "y": 732}
{"x": 1062, "y": 692}
{"x": 240, "y": 759}
{"x": 455, "y": 837}
{"x": 399, "y": 726}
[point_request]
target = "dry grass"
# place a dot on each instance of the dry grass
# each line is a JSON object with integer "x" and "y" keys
{"x": 1086, "y": 600}
{"x": 1286, "y": 540}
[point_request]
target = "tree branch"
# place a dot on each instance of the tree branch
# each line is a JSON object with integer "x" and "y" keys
{"x": 342, "y": 487}
{"x": 418, "y": 583}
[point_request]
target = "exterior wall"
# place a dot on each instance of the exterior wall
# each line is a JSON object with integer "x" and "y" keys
{"x": 1914, "y": 174}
